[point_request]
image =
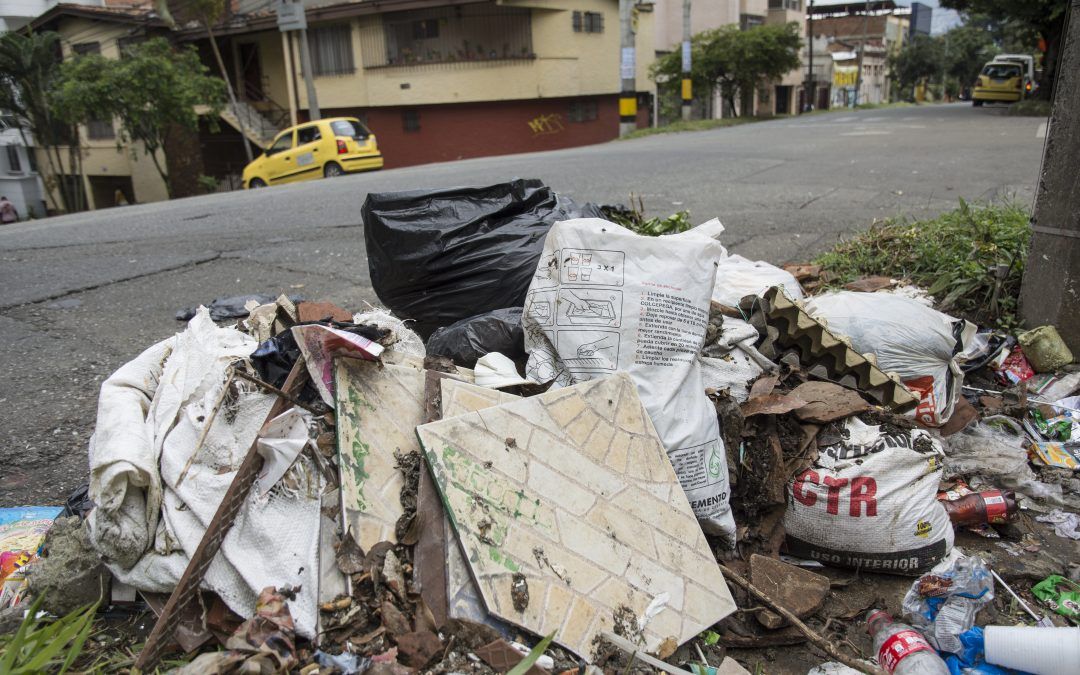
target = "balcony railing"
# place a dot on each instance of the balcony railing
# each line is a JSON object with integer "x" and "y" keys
{"x": 451, "y": 35}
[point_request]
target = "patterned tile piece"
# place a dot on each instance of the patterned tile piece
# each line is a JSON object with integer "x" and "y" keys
{"x": 378, "y": 408}
{"x": 564, "y": 508}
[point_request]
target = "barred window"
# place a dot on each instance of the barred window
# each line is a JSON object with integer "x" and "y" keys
{"x": 582, "y": 111}
{"x": 331, "y": 50}
{"x": 594, "y": 22}
{"x": 14, "y": 165}
{"x": 578, "y": 25}
{"x": 85, "y": 48}
{"x": 100, "y": 129}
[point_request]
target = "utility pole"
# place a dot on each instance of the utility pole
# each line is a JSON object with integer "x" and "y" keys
{"x": 687, "y": 83}
{"x": 811, "y": 98}
{"x": 862, "y": 48}
{"x": 627, "y": 69}
{"x": 1050, "y": 293}
{"x": 292, "y": 17}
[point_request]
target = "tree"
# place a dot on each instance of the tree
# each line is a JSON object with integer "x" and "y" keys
{"x": 920, "y": 59}
{"x": 151, "y": 88}
{"x": 737, "y": 61}
{"x": 1046, "y": 17}
{"x": 29, "y": 68}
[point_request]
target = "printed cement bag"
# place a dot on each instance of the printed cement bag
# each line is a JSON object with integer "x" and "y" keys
{"x": 606, "y": 299}
{"x": 870, "y": 502}
{"x": 918, "y": 343}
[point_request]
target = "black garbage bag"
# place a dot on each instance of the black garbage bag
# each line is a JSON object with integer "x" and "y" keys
{"x": 469, "y": 339}
{"x": 232, "y": 307}
{"x": 439, "y": 256}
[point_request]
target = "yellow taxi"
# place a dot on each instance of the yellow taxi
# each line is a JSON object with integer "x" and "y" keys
{"x": 321, "y": 149}
{"x": 999, "y": 82}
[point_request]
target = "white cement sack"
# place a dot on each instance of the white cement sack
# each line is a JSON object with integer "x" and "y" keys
{"x": 737, "y": 277}
{"x": 606, "y": 299}
{"x": 918, "y": 343}
{"x": 870, "y": 502}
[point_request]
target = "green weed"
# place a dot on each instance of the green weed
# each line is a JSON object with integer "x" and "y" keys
{"x": 971, "y": 259}
{"x": 40, "y": 646}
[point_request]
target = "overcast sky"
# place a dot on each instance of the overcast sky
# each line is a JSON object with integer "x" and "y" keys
{"x": 944, "y": 19}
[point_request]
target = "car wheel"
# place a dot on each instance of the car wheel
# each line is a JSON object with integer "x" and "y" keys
{"x": 977, "y": 103}
{"x": 333, "y": 170}
{"x": 256, "y": 183}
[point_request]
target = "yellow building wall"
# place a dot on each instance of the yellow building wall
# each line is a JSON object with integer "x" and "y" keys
{"x": 566, "y": 64}
{"x": 102, "y": 157}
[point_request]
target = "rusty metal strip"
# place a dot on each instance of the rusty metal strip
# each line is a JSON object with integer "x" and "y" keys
{"x": 429, "y": 556}
{"x": 188, "y": 587}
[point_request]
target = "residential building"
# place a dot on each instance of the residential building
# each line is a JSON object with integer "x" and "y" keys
{"x": 19, "y": 179}
{"x": 877, "y": 29}
{"x": 786, "y": 96}
{"x": 14, "y": 14}
{"x": 435, "y": 80}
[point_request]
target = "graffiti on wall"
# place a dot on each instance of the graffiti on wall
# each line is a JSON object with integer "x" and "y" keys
{"x": 543, "y": 125}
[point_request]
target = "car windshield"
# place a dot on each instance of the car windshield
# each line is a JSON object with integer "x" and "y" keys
{"x": 350, "y": 128}
{"x": 1001, "y": 71}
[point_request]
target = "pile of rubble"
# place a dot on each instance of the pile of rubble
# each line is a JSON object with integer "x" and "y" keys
{"x": 565, "y": 447}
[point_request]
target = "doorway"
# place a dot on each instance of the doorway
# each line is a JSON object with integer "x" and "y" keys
{"x": 251, "y": 78}
{"x": 783, "y": 99}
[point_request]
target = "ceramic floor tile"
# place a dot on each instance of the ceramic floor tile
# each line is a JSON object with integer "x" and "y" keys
{"x": 578, "y": 560}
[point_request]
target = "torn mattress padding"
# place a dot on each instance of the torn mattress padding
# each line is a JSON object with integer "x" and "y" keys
{"x": 150, "y": 415}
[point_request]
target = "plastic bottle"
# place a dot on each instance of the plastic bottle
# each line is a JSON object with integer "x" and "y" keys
{"x": 902, "y": 650}
{"x": 991, "y": 506}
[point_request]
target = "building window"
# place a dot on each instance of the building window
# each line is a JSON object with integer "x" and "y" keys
{"x": 14, "y": 165}
{"x": 795, "y": 5}
{"x": 582, "y": 111}
{"x": 410, "y": 120}
{"x": 748, "y": 21}
{"x": 31, "y": 159}
{"x": 86, "y": 48}
{"x": 331, "y": 50}
{"x": 100, "y": 130}
{"x": 588, "y": 22}
{"x": 125, "y": 44}
{"x": 462, "y": 33}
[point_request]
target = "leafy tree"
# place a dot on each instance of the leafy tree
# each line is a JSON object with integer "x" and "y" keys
{"x": 150, "y": 89}
{"x": 29, "y": 68}
{"x": 1046, "y": 17}
{"x": 737, "y": 61}
{"x": 966, "y": 48}
{"x": 920, "y": 59}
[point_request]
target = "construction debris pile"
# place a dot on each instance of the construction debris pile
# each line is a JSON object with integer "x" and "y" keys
{"x": 566, "y": 447}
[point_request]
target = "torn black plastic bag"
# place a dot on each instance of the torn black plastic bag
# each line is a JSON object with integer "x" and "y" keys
{"x": 469, "y": 339}
{"x": 439, "y": 256}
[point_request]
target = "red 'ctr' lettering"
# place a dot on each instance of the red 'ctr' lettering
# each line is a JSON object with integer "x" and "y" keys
{"x": 799, "y": 488}
{"x": 863, "y": 491}
{"x": 834, "y": 485}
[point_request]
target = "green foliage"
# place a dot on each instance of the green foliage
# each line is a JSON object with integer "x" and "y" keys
{"x": 735, "y": 60}
{"x": 972, "y": 259}
{"x": 532, "y": 657}
{"x": 40, "y": 646}
{"x": 1032, "y": 107}
{"x": 920, "y": 59}
{"x": 633, "y": 218}
{"x": 151, "y": 89}
{"x": 209, "y": 184}
{"x": 1019, "y": 18}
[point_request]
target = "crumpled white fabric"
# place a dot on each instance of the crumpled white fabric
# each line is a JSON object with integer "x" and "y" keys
{"x": 495, "y": 370}
{"x": 151, "y": 413}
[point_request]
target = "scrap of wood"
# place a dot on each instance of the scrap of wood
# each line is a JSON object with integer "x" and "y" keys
{"x": 280, "y": 393}
{"x": 429, "y": 556}
{"x": 188, "y": 587}
{"x": 826, "y": 645}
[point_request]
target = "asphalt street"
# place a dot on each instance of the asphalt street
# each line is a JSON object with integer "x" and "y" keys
{"x": 80, "y": 295}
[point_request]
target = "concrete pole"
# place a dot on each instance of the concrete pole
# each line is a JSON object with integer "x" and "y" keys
{"x": 810, "y": 98}
{"x": 627, "y": 69}
{"x": 309, "y": 78}
{"x": 1051, "y": 290}
{"x": 687, "y": 83}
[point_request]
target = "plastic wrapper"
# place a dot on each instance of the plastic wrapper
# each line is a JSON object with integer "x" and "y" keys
{"x": 943, "y": 605}
{"x": 469, "y": 339}
{"x": 439, "y": 256}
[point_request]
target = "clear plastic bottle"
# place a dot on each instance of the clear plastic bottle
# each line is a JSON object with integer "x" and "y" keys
{"x": 900, "y": 649}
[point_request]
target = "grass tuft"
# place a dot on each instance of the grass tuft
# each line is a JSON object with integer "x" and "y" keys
{"x": 1032, "y": 107}
{"x": 971, "y": 259}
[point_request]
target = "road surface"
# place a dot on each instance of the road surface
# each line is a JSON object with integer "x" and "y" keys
{"x": 82, "y": 294}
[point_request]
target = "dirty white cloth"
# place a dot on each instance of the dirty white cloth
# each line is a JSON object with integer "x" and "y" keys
{"x": 402, "y": 339}
{"x": 495, "y": 370}
{"x": 147, "y": 522}
{"x": 737, "y": 277}
{"x": 1066, "y": 525}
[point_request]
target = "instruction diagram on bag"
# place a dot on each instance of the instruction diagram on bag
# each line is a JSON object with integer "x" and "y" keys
{"x": 595, "y": 267}
{"x": 593, "y": 351}
{"x": 540, "y": 307}
{"x": 589, "y": 307}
